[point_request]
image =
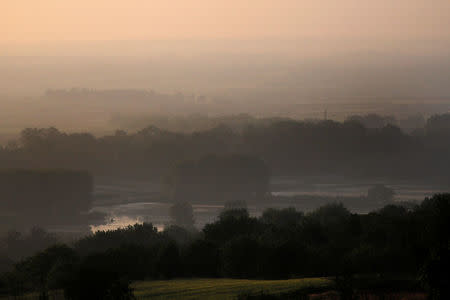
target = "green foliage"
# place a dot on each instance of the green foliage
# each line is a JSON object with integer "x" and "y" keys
{"x": 169, "y": 262}
{"x": 240, "y": 257}
{"x": 435, "y": 277}
{"x": 201, "y": 259}
{"x": 282, "y": 218}
{"x": 231, "y": 223}
{"x": 139, "y": 234}
{"x": 330, "y": 214}
{"x": 434, "y": 274}
{"x": 44, "y": 270}
{"x": 181, "y": 235}
{"x": 97, "y": 277}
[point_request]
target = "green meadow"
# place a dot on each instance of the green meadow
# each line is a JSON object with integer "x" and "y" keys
{"x": 222, "y": 288}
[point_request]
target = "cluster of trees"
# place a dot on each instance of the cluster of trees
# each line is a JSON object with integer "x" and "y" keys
{"x": 279, "y": 244}
{"x": 222, "y": 178}
{"x": 16, "y": 245}
{"x": 187, "y": 123}
{"x": 288, "y": 147}
{"x": 45, "y": 197}
{"x": 408, "y": 124}
{"x": 238, "y": 122}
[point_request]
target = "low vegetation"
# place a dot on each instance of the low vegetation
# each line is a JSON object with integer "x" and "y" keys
{"x": 281, "y": 244}
{"x": 220, "y": 288}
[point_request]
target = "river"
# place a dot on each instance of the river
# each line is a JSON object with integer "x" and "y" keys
{"x": 130, "y": 202}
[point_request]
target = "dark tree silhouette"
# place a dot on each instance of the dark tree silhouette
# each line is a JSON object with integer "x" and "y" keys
{"x": 222, "y": 178}
{"x": 46, "y": 196}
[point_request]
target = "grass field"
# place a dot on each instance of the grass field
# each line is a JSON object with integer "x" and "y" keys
{"x": 221, "y": 288}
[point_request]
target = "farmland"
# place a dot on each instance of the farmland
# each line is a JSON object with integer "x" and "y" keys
{"x": 222, "y": 288}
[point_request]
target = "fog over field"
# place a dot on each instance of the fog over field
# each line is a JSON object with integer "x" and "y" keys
{"x": 301, "y": 69}
{"x": 295, "y": 59}
{"x": 128, "y": 90}
{"x": 290, "y": 149}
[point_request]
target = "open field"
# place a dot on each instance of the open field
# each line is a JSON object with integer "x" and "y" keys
{"x": 222, "y": 288}
{"x": 219, "y": 288}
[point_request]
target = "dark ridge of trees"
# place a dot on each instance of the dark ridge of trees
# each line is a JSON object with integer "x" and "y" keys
{"x": 45, "y": 196}
{"x": 189, "y": 123}
{"x": 288, "y": 147}
{"x": 224, "y": 178}
{"x": 15, "y": 245}
{"x": 329, "y": 241}
{"x": 438, "y": 124}
{"x": 373, "y": 120}
{"x": 141, "y": 235}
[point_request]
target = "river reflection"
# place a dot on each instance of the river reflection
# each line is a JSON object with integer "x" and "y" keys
{"x": 157, "y": 213}
{"x": 128, "y": 203}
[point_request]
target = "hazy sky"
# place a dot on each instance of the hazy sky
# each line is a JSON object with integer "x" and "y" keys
{"x": 394, "y": 47}
{"x": 67, "y": 20}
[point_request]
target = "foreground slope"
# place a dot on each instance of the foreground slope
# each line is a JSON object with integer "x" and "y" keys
{"x": 222, "y": 288}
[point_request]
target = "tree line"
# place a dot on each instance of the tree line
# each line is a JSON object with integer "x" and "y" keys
{"x": 219, "y": 177}
{"x": 45, "y": 197}
{"x": 288, "y": 147}
{"x": 281, "y": 243}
